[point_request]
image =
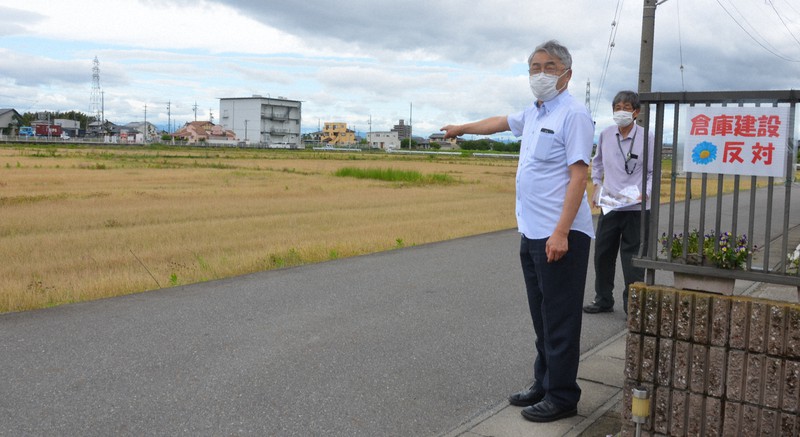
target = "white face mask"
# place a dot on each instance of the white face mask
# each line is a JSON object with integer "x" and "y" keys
{"x": 623, "y": 118}
{"x": 543, "y": 85}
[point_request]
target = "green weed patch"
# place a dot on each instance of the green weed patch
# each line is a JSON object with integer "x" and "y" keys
{"x": 392, "y": 175}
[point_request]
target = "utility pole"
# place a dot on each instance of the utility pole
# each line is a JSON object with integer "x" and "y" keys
{"x": 646, "y": 49}
{"x": 410, "y": 114}
{"x": 145, "y": 124}
{"x": 103, "y": 110}
{"x": 646, "y": 52}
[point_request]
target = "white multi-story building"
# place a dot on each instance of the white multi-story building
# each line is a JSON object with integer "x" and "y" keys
{"x": 265, "y": 121}
{"x": 383, "y": 140}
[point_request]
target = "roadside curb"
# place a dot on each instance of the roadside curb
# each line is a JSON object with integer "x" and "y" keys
{"x": 492, "y": 414}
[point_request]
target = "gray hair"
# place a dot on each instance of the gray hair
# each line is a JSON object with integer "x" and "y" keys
{"x": 556, "y": 50}
{"x": 627, "y": 97}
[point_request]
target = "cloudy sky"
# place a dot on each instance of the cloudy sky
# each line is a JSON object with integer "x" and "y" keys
{"x": 434, "y": 61}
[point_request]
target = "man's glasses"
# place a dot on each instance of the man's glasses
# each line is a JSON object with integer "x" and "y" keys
{"x": 548, "y": 69}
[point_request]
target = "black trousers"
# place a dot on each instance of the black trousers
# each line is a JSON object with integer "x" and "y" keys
{"x": 617, "y": 231}
{"x": 555, "y": 297}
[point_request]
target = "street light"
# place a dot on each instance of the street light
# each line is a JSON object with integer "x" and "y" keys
{"x": 640, "y": 408}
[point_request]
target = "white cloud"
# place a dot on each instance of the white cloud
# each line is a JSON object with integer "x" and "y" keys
{"x": 456, "y": 61}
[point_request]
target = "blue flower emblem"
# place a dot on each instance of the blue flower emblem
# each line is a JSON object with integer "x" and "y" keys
{"x": 704, "y": 153}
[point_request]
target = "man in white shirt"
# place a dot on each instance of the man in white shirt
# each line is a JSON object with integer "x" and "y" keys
{"x": 555, "y": 223}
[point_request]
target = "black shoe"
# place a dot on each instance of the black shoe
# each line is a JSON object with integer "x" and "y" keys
{"x": 526, "y": 397}
{"x": 545, "y": 411}
{"x": 594, "y": 308}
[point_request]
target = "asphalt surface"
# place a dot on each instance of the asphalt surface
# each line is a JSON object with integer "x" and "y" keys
{"x": 414, "y": 341}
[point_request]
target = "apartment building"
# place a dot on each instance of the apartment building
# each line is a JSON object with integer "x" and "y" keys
{"x": 263, "y": 121}
{"x": 337, "y": 134}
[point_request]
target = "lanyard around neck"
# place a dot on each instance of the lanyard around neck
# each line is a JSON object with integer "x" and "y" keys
{"x": 627, "y": 156}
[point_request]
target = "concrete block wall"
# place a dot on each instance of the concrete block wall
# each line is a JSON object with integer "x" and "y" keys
{"x": 714, "y": 365}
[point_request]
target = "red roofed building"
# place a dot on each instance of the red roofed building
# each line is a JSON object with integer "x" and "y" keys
{"x": 204, "y": 132}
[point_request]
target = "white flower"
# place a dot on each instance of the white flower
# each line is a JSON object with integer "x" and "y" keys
{"x": 793, "y": 258}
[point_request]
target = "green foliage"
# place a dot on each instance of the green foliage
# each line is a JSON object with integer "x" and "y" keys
{"x": 793, "y": 260}
{"x": 201, "y": 262}
{"x": 404, "y": 144}
{"x": 485, "y": 144}
{"x": 288, "y": 259}
{"x": 399, "y": 244}
{"x": 392, "y": 175}
{"x": 507, "y": 147}
{"x": 731, "y": 251}
{"x": 477, "y": 145}
{"x": 84, "y": 119}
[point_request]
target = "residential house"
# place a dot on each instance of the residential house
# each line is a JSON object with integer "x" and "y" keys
{"x": 383, "y": 140}
{"x": 206, "y": 132}
{"x": 438, "y": 138}
{"x": 10, "y": 121}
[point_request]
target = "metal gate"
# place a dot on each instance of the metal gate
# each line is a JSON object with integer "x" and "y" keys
{"x": 762, "y": 208}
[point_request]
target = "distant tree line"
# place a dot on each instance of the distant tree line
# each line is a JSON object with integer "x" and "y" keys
{"x": 485, "y": 144}
{"x": 29, "y": 117}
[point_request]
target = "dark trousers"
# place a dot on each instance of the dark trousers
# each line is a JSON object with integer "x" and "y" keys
{"x": 555, "y": 296}
{"x": 617, "y": 231}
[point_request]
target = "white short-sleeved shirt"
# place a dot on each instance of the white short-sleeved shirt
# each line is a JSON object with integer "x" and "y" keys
{"x": 554, "y": 135}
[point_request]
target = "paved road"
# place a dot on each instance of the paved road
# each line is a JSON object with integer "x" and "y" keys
{"x": 413, "y": 341}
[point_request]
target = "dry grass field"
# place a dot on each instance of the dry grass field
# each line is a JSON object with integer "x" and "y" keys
{"x": 86, "y": 223}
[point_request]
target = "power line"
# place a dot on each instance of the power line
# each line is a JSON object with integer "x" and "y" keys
{"x": 610, "y": 48}
{"x": 791, "y": 7}
{"x": 774, "y": 52}
{"x": 772, "y": 5}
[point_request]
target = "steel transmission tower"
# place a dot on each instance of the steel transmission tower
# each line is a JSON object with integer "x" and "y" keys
{"x": 589, "y": 95}
{"x": 96, "y": 98}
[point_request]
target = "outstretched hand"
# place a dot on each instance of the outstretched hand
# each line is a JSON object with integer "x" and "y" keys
{"x": 451, "y": 131}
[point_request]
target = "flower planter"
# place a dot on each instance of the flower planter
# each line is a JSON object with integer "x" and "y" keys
{"x": 712, "y": 284}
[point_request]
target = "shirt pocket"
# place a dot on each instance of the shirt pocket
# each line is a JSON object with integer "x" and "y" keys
{"x": 544, "y": 144}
